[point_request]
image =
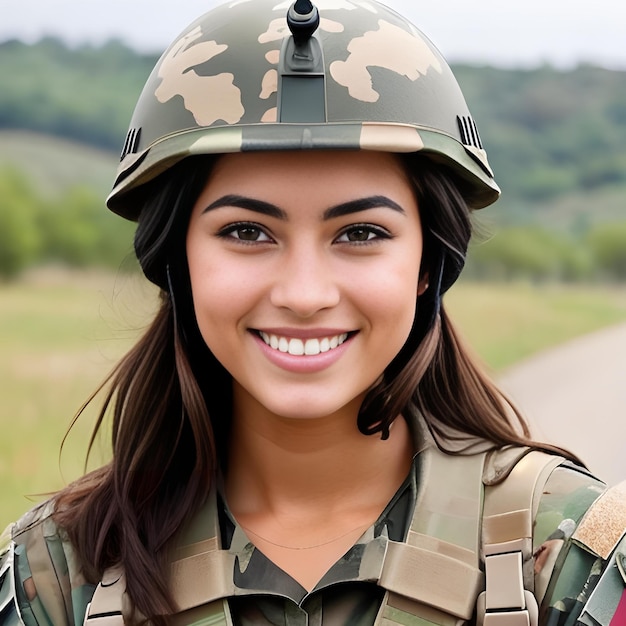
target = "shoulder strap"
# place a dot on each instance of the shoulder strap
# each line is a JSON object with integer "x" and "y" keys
{"x": 508, "y": 517}
{"x": 435, "y": 576}
{"x": 200, "y": 572}
{"x": 447, "y": 528}
{"x": 37, "y": 573}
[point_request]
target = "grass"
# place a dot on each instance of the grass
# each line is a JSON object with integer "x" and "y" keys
{"x": 505, "y": 323}
{"x": 61, "y": 333}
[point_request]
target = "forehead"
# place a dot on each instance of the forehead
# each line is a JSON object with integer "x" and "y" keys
{"x": 308, "y": 183}
{"x": 308, "y": 170}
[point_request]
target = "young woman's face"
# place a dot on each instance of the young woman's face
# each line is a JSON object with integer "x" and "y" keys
{"x": 305, "y": 272}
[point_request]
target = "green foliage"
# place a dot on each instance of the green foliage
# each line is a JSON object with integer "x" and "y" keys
{"x": 608, "y": 243}
{"x": 19, "y": 237}
{"x": 73, "y": 229}
{"x": 86, "y": 94}
{"x": 556, "y": 139}
{"x": 529, "y": 252}
{"x": 547, "y": 131}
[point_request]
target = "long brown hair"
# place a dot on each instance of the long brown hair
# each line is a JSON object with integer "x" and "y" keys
{"x": 170, "y": 398}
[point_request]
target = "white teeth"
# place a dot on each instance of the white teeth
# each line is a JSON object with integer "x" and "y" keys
{"x": 312, "y": 347}
{"x": 297, "y": 347}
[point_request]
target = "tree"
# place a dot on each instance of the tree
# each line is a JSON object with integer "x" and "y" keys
{"x": 19, "y": 237}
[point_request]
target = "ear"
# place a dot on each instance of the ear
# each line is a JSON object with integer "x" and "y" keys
{"x": 423, "y": 283}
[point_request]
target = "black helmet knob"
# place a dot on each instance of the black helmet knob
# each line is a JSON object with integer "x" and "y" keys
{"x": 303, "y": 18}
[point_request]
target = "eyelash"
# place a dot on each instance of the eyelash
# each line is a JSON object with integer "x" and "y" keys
{"x": 229, "y": 233}
{"x": 377, "y": 231}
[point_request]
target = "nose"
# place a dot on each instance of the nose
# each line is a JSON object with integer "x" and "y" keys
{"x": 305, "y": 283}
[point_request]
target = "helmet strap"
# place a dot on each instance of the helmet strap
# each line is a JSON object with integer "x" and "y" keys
{"x": 178, "y": 328}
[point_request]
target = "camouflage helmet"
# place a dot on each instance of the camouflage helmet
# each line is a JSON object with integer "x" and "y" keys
{"x": 272, "y": 75}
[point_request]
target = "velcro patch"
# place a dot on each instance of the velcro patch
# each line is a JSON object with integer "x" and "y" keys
{"x": 604, "y": 524}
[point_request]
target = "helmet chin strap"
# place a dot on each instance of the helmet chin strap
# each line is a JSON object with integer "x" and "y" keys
{"x": 434, "y": 291}
{"x": 179, "y": 328}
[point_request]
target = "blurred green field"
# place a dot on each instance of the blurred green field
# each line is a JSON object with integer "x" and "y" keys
{"x": 61, "y": 333}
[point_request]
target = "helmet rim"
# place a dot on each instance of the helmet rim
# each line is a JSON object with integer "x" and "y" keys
{"x": 467, "y": 162}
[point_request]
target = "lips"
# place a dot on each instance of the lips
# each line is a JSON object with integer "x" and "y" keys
{"x": 303, "y": 347}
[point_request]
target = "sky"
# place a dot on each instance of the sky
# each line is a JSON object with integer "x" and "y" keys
{"x": 520, "y": 33}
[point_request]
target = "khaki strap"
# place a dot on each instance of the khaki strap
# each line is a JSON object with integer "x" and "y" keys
{"x": 440, "y": 581}
{"x": 105, "y": 608}
{"x": 604, "y": 523}
{"x": 202, "y": 578}
{"x": 399, "y": 611}
{"x": 107, "y": 605}
{"x": 435, "y": 575}
{"x": 450, "y": 494}
{"x": 105, "y": 620}
{"x": 509, "y": 513}
{"x": 215, "y": 614}
{"x": 517, "y": 494}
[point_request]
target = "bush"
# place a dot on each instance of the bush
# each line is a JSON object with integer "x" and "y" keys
{"x": 608, "y": 247}
{"x": 528, "y": 252}
{"x": 19, "y": 236}
{"x": 74, "y": 230}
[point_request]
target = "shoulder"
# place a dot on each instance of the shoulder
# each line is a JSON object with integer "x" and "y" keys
{"x": 41, "y": 580}
{"x": 579, "y": 545}
{"x": 576, "y": 567}
{"x": 581, "y": 563}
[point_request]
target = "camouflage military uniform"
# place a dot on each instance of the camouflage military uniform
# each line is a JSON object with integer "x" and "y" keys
{"x": 42, "y": 582}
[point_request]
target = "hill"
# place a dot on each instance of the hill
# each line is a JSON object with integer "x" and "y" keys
{"x": 553, "y": 136}
{"x": 556, "y": 139}
{"x": 54, "y": 164}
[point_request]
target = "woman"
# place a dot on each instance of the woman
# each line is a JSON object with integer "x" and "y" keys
{"x": 300, "y": 437}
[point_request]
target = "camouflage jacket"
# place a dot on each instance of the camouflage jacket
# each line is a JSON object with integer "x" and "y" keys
{"x": 574, "y": 576}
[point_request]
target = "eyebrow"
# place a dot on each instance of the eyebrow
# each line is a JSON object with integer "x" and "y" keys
{"x": 362, "y": 204}
{"x": 258, "y": 206}
{"x": 345, "y": 208}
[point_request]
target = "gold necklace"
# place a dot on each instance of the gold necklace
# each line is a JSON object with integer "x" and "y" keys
{"x": 317, "y": 545}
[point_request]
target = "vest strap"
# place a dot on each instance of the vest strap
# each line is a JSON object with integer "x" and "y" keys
{"x": 400, "y": 611}
{"x": 508, "y": 517}
{"x": 440, "y": 581}
{"x": 434, "y": 578}
{"x": 105, "y": 608}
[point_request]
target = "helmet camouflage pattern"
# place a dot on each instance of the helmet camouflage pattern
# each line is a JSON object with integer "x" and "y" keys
{"x": 360, "y": 78}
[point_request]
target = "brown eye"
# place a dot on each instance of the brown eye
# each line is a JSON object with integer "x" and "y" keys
{"x": 363, "y": 233}
{"x": 248, "y": 234}
{"x": 358, "y": 234}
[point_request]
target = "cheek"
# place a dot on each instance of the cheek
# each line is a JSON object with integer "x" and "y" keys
{"x": 393, "y": 301}
{"x": 222, "y": 293}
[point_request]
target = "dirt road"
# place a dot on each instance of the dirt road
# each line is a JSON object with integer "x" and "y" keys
{"x": 575, "y": 396}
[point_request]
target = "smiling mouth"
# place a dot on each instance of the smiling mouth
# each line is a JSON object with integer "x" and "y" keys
{"x": 300, "y": 347}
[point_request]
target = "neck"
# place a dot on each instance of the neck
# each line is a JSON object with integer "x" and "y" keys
{"x": 320, "y": 466}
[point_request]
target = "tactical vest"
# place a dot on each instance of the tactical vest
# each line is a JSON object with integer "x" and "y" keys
{"x": 469, "y": 548}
